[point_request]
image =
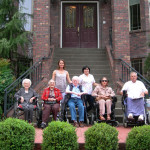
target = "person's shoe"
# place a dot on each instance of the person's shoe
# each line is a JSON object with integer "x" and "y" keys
{"x": 108, "y": 117}
{"x": 101, "y": 118}
{"x": 130, "y": 116}
{"x": 43, "y": 125}
{"x": 76, "y": 124}
{"x": 81, "y": 124}
{"x": 140, "y": 118}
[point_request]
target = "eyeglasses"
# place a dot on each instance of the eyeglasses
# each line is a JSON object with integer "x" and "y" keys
{"x": 104, "y": 81}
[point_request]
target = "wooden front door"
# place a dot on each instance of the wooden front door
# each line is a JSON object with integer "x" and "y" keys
{"x": 79, "y": 25}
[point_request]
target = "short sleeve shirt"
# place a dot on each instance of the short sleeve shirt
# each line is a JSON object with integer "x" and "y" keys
{"x": 87, "y": 82}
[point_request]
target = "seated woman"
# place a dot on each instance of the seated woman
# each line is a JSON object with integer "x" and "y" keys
{"x": 103, "y": 95}
{"x": 25, "y": 97}
{"x": 51, "y": 97}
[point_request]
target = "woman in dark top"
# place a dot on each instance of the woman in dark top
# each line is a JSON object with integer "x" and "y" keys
{"x": 25, "y": 96}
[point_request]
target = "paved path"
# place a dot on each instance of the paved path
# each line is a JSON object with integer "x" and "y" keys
{"x": 123, "y": 132}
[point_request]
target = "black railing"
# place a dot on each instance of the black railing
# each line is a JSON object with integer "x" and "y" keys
{"x": 127, "y": 69}
{"x": 34, "y": 73}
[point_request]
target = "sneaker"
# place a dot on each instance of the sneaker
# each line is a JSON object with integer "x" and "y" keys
{"x": 43, "y": 125}
{"x": 140, "y": 118}
{"x": 76, "y": 124}
{"x": 81, "y": 124}
{"x": 130, "y": 116}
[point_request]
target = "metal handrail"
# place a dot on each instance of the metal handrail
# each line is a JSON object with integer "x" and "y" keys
{"x": 126, "y": 69}
{"x": 34, "y": 73}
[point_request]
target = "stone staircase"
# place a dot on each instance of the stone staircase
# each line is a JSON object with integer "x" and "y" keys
{"x": 96, "y": 59}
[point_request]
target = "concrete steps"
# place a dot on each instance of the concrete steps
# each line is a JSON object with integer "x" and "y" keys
{"x": 96, "y": 59}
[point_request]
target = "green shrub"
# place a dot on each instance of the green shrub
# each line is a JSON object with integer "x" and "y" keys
{"x": 16, "y": 134}
{"x": 139, "y": 138}
{"x": 101, "y": 136}
{"x": 6, "y": 78}
{"x": 59, "y": 136}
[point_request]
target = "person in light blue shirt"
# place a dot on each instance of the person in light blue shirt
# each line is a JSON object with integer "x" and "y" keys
{"x": 76, "y": 100}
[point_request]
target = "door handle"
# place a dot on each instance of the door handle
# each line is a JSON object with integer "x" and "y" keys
{"x": 78, "y": 29}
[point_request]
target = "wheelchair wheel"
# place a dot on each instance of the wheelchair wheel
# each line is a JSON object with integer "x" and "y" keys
{"x": 116, "y": 123}
{"x": 148, "y": 117}
{"x": 92, "y": 119}
{"x": 124, "y": 122}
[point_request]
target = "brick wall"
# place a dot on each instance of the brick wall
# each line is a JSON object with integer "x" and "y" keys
{"x": 41, "y": 31}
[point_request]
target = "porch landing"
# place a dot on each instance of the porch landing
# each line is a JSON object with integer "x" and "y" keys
{"x": 122, "y": 135}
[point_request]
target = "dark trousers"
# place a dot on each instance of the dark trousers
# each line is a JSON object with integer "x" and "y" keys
{"x": 89, "y": 102}
{"x": 28, "y": 111}
{"x": 48, "y": 108}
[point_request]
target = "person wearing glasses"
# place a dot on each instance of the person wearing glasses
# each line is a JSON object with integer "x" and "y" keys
{"x": 103, "y": 94}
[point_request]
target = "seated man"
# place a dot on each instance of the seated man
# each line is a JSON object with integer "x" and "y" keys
{"x": 51, "y": 97}
{"x": 76, "y": 100}
{"x": 135, "y": 93}
{"x": 25, "y": 96}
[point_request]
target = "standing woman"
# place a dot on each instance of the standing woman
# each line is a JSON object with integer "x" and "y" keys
{"x": 61, "y": 76}
{"x": 87, "y": 81}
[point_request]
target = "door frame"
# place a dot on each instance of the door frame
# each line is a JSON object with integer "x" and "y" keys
{"x": 61, "y": 12}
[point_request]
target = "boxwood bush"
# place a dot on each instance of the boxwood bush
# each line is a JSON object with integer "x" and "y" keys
{"x": 139, "y": 138}
{"x": 16, "y": 134}
{"x": 59, "y": 136}
{"x": 101, "y": 136}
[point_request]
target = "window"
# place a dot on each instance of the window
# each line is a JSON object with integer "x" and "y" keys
{"x": 135, "y": 21}
{"x": 137, "y": 65}
{"x": 26, "y": 7}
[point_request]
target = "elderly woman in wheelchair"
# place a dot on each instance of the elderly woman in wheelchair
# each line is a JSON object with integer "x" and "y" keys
{"x": 26, "y": 98}
{"x": 104, "y": 95}
{"x": 51, "y": 97}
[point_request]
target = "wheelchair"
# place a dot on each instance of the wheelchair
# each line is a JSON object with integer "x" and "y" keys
{"x": 19, "y": 112}
{"x": 67, "y": 115}
{"x": 95, "y": 114}
{"x": 134, "y": 122}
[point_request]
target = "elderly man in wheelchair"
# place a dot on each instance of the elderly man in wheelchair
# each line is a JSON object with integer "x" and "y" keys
{"x": 134, "y": 101}
{"x": 26, "y": 98}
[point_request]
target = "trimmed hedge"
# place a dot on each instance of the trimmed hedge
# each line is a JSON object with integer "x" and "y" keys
{"x": 59, "y": 136}
{"x": 139, "y": 138}
{"x": 101, "y": 136}
{"x": 16, "y": 134}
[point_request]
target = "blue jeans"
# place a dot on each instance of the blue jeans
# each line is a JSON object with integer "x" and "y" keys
{"x": 72, "y": 103}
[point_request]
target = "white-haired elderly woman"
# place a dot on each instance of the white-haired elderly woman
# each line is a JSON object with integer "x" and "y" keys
{"x": 26, "y": 95}
{"x": 76, "y": 91}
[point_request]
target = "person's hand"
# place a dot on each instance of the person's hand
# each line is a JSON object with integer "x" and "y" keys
{"x": 142, "y": 94}
{"x": 51, "y": 99}
{"x": 31, "y": 99}
{"x": 22, "y": 99}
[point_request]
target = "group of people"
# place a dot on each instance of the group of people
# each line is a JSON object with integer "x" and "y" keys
{"x": 83, "y": 85}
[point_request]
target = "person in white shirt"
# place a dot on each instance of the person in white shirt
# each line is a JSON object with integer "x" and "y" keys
{"x": 87, "y": 81}
{"x": 75, "y": 100}
{"x": 135, "y": 93}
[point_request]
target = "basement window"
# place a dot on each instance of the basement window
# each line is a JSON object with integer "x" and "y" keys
{"x": 137, "y": 65}
{"x": 135, "y": 19}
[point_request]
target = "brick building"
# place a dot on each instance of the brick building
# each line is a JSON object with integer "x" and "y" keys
{"x": 121, "y": 26}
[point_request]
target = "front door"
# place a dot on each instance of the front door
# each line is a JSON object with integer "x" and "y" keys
{"x": 79, "y": 25}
